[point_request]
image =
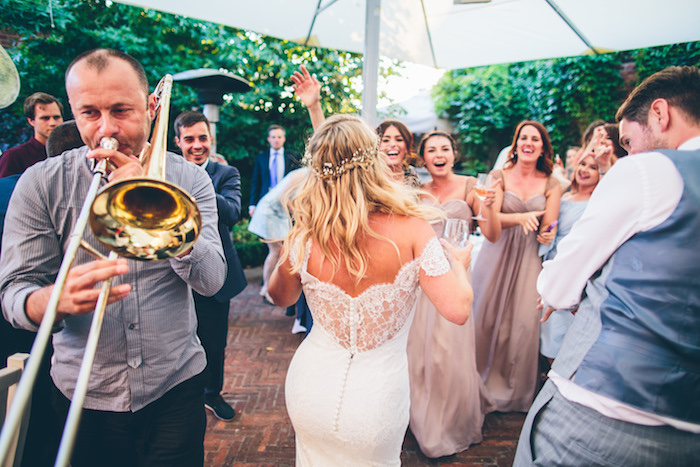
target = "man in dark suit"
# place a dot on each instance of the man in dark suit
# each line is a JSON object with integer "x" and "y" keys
{"x": 270, "y": 168}
{"x": 193, "y": 137}
{"x": 264, "y": 177}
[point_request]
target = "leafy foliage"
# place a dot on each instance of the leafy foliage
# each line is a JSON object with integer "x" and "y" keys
{"x": 649, "y": 61}
{"x": 164, "y": 43}
{"x": 251, "y": 255}
{"x": 478, "y": 104}
{"x": 241, "y": 234}
{"x": 485, "y": 104}
{"x": 250, "y": 248}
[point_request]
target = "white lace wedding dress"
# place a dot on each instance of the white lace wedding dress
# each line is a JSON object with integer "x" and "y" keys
{"x": 347, "y": 390}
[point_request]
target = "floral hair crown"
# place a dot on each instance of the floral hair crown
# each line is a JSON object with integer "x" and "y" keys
{"x": 360, "y": 158}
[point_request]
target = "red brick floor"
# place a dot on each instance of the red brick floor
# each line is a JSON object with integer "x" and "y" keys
{"x": 260, "y": 346}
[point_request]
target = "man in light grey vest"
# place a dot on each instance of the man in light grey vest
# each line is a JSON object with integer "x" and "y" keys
{"x": 625, "y": 386}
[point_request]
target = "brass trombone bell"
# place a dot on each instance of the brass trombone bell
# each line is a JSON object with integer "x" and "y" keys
{"x": 145, "y": 219}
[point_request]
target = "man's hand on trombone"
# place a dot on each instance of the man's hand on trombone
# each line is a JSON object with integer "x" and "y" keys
{"x": 80, "y": 293}
{"x": 119, "y": 165}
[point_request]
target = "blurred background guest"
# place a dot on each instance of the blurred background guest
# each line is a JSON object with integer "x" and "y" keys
{"x": 64, "y": 137}
{"x": 270, "y": 168}
{"x": 271, "y": 222}
{"x": 44, "y": 113}
{"x": 586, "y": 178}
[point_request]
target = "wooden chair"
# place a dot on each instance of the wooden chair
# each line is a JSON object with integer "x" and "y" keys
{"x": 9, "y": 377}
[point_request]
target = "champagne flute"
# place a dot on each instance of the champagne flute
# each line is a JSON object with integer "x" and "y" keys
{"x": 456, "y": 232}
{"x": 483, "y": 184}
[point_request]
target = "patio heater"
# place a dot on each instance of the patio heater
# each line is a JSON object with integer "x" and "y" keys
{"x": 211, "y": 85}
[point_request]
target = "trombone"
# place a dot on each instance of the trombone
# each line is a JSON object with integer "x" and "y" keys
{"x": 142, "y": 218}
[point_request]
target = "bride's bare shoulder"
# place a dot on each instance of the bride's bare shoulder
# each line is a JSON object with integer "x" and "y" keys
{"x": 399, "y": 223}
{"x": 413, "y": 231}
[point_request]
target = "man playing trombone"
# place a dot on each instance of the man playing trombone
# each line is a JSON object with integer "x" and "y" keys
{"x": 144, "y": 404}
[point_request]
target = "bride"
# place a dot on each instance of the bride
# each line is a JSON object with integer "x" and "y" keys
{"x": 359, "y": 247}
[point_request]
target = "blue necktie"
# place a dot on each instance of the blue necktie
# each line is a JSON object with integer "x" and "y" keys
{"x": 273, "y": 169}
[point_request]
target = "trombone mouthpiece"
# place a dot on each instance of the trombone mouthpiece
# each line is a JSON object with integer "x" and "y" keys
{"x": 109, "y": 143}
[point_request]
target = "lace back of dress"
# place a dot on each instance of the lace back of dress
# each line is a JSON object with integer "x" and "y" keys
{"x": 376, "y": 315}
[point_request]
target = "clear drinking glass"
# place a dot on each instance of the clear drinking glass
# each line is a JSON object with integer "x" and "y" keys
{"x": 456, "y": 232}
{"x": 484, "y": 182}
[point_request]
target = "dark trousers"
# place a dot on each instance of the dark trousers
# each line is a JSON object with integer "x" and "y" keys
{"x": 304, "y": 314}
{"x": 167, "y": 432}
{"x": 212, "y": 329}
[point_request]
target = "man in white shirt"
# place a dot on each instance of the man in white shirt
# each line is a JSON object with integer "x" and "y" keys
{"x": 625, "y": 387}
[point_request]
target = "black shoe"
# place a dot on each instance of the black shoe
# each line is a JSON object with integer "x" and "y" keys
{"x": 219, "y": 407}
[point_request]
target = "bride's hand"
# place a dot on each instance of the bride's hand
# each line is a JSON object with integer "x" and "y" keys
{"x": 461, "y": 255}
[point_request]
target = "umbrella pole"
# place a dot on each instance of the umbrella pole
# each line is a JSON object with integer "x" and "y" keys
{"x": 370, "y": 67}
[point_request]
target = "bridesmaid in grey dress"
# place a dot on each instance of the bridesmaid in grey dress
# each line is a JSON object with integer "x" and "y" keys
{"x": 505, "y": 273}
{"x": 448, "y": 398}
{"x": 573, "y": 203}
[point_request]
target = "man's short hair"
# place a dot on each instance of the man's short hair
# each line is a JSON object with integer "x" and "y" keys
{"x": 276, "y": 127}
{"x": 188, "y": 119}
{"x": 98, "y": 59}
{"x": 64, "y": 137}
{"x": 678, "y": 85}
{"x": 39, "y": 98}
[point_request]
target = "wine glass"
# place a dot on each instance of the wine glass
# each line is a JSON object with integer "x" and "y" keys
{"x": 456, "y": 232}
{"x": 483, "y": 184}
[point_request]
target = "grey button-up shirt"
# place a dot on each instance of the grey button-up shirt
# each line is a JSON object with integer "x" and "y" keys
{"x": 148, "y": 342}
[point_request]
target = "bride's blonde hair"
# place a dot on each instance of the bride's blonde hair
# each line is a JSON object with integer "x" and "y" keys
{"x": 348, "y": 180}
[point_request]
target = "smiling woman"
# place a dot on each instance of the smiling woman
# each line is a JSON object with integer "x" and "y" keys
{"x": 447, "y": 396}
{"x": 505, "y": 304}
{"x": 573, "y": 203}
{"x": 396, "y": 143}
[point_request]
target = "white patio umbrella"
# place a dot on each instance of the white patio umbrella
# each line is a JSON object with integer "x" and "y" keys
{"x": 453, "y": 33}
